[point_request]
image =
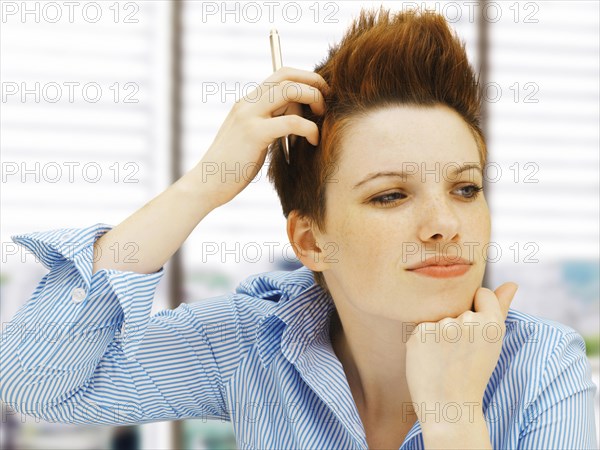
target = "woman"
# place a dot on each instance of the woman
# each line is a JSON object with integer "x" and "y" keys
{"x": 383, "y": 339}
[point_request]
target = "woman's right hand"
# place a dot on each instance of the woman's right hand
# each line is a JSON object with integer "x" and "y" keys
{"x": 254, "y": 122}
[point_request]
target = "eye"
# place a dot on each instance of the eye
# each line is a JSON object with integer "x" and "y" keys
{"x": 471, "y": 191}
{"x": 387, "y": 199}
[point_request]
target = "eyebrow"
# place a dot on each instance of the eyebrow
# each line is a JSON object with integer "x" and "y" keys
{"x": 405, "y": 175}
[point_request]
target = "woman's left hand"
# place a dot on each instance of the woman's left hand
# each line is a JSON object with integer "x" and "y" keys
{"x": 449, "y": 363}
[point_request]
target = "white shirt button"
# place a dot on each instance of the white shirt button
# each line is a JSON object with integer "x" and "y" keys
{"x": 67, "y": 237}
{"x": 78, "y": 294}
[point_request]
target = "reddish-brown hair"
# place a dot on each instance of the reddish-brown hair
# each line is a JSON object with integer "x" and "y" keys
{"x": 384, "y": 59}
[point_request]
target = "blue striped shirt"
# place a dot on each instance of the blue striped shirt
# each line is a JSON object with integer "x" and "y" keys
{"x": 86, "y": 350}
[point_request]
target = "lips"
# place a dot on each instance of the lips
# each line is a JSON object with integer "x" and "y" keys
{"x": 439, "y": 260}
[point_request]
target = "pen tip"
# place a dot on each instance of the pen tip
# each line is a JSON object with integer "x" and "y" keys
{"x": 273, "y": 31}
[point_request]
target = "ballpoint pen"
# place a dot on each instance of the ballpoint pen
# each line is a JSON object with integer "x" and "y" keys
{"x": 277, "y": 64}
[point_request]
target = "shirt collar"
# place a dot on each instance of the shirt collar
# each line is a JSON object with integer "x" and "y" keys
{"x": 300, "y": 312}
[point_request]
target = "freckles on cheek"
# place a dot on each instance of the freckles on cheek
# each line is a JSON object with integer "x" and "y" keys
{"x": 351, "y": 233}
{"x": 366, "y": 239}
{"x": 353, "y": 227}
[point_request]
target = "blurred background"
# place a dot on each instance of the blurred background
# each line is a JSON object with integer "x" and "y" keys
{"x": 105, "y": 104}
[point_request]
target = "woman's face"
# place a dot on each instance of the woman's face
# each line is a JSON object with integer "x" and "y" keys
{"x": 431, "y": 211}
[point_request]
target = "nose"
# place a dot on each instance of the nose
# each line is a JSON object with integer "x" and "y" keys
{"x": 439, "y": 222}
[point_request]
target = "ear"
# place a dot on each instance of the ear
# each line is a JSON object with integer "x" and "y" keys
{"x": 304, "y": 242}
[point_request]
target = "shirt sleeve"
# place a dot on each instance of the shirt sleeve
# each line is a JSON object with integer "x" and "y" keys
{"x": 84, "y": 348}
{"x": 562, "y": 416}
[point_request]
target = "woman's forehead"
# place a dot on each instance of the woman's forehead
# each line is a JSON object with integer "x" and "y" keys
{"x": 405, "y": 138}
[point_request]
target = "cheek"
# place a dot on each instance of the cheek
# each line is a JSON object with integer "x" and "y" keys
{"x": 478, "y": 233}
{"x": 365, "y": 241}
{"x": 482, "y": 224}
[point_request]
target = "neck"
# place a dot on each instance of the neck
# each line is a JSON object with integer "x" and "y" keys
{"x": 373, "y": 360}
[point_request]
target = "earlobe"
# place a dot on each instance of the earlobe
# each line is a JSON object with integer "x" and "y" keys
{"x": 302, "y": 238}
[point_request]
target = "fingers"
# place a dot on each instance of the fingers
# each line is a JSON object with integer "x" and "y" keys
{"x": 301, "y": 76}
{"x": 506, "y": 293}
{"x": 292, "y": 94}
{"x": 485, "y": 301}
{"x": 499, "y": 300}
{"x": 279, "y": 99}
{"x": 288, "y": 85}
{"x": 279, "y": 96}
{"x": 295, "y": 125}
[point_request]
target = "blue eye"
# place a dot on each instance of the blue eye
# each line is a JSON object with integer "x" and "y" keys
{"x": 470, "y": 192}
{"x": 473, "y": 191}
{"x": 385, "y": 199}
